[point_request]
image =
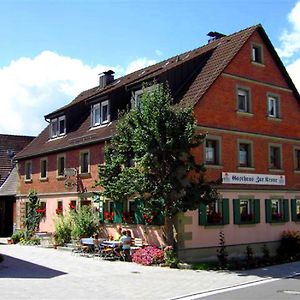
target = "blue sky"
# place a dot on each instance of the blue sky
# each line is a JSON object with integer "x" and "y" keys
{"x": 52, "y": 50}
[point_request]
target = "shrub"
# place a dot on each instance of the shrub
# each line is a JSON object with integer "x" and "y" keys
{"x": 85, "y": 222}
{"x": 222, "y": 251}
{"x": 17, "y": 236}
{"x": 63, "y": 229}
{"x": 170, "y": 257}
{"x": 289, "y": 245}
{"x": 148, "y": 256}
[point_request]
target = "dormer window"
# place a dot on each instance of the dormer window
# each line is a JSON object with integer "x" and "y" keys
{"x": 58, "y": 127}
{"x": 100, "y": 113}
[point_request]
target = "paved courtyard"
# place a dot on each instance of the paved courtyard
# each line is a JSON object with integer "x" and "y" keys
{"x": 30, "y": 272}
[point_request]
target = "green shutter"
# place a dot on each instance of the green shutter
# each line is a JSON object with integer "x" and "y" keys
{"x": 256, "y": 211}
{"x": 236, "y": 211}
{"x": 268, "y": 210}
{"x": 202, "y": 214}
{"x": 118, "y": 208}
{"x": 286, "y": 213}
{"x": 225, "y": 211}
{"x": 138, "y": 213}
{"x": 294, "y": 209}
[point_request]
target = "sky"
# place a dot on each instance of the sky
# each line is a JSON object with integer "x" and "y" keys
{"x": 51, "y": 50}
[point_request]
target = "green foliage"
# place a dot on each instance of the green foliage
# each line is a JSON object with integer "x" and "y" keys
{"x": 32, "y": 241}
{"x": 18, "y": 235}
{"x": 33, "y": 217}
{"x": 63, "y": 229}
{"x": 84, "y": 222}
{"x": 222, "y": 251}
{"x": 150, "y": 157}
{"x": 289, "y": 245}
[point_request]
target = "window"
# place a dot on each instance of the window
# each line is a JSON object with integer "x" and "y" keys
{"x": 57, "y": 127}
{"x": 212, "y": 151}
{"x": 59, "y": 209}
{"x": 277, "y": 210}
{"x": 61, "y": 165}
{"x": 246, "y": 211}
{"x": 273, "y": 106}
{"x": 100, "y": 113}
{"x": 275, "y": 157}
{"x": 257, "y": 53}
{"x": 28, "y": 170}
{"x": 243, "y": 100}
{"x": 245, "y": 154}
{"x": 84, "y": 162}
{"x": 42, "y": 209}
{"x": 215, "y": 213}
{"x": 137, "y": 95}
{"x": 295, "y": 209}
{"x": 73, "y": 205}
{"x": 43, "y": 168}
{"x": 297, "y": 159}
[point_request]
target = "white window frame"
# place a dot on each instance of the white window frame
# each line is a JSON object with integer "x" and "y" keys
{"x": 56, "y": 131}
{"x": 58, "y": 165}
{"x": 100, "y": 107}
{"x": 103, "y": 104}
{"x": 273, "y": 102}
{"x": 96, "y": 107}
{"x": 245, "y": 93}
{"x": 136, "y": 95}
{"x": 257, "y": 48}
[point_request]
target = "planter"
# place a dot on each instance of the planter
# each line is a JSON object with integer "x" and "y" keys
{"x": 10, "y": 241}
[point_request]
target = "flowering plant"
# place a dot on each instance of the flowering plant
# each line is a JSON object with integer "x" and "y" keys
{"x": 127, "y": 217}
{"x": 247, "y": 217}
{"x": 71, "y": 205}
{"x": 58, "y": 211}
{"x": 214, "y": 217}
{"x": 148, "y": 256}
{"x": 276, "y": 216}
{"x": 108, "y": 216}
{"x": 170, "y": 257}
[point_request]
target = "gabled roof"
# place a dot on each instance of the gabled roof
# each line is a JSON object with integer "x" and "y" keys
{"x": 9, "y": 187}
{"x": 222, "y": 51}
{"x": 9, "y": 146}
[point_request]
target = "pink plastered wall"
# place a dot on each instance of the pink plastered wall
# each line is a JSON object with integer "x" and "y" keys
{"x": 208, "y": 236}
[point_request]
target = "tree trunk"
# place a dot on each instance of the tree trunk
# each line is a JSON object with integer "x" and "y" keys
{"x": 169, "y": 230}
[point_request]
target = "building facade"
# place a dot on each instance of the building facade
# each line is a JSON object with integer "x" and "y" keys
{"x": 243, "y": 99}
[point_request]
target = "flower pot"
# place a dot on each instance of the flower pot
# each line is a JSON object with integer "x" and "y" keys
{"x": 10, "y": 241}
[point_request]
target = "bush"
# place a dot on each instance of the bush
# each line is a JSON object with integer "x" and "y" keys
{"x": 289, "y": 245}
{"x": 18, "y": 235}
{"x": 63, "y": 229}
{"x": 148, "y": 256}
{"x": 84, "y": 222}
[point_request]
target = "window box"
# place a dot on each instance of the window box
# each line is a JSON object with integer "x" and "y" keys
{"x": 215, "y": 213}
{"x": 277, "y": 210}
{"x": 246, "y": 211}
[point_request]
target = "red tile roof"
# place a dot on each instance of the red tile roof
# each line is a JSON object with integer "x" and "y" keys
{"x": 221, "y": 51}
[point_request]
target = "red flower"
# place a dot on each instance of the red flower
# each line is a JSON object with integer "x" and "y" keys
{"x": 58, "y": 211}
{"x": 72, "y": 206}
{"x": 127, "y": 217}
{"x": 109, "y": 216}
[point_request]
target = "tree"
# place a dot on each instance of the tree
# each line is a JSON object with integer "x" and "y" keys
{"x": 150, "y": 157}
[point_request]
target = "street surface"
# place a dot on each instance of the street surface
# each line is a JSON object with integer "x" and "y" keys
{"x": 30, "y": 272}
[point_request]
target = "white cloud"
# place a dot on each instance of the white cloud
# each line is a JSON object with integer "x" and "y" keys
{"x": 138, "y": 64}
{"x": 33, "y": 87}
{"x": 290, "y": 41}
{"x": 158, "y": 52}
{"x": 293, "y": 70}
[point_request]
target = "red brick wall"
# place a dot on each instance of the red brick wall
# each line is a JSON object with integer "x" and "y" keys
{"x": 218, "y": 109}
{"x": 53, "y": 184}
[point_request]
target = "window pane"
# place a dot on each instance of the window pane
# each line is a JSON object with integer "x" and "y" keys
{"x": 61, "y": 166}
{"x": 243, "y": 100}
{"x": 28, "y": 170}
{"x": 54, "y": 128}
{"x": 211, "y": 152}
{"x": 43, "y": 168}
{"x": 273, "y": 107}
{"x": 104, "y": 112}
{"x": 84, "y": 162}
{"x": 244, "y": 155}
{"x": 275, "y": 157}
{"x": 62, "y": 126}
{"x": 96, "y": 114}
{"x": 297, "y": 156}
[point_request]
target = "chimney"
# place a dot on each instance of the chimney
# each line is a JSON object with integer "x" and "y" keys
{"x": 214, "y": 36}
{"x": 106, "y": 78}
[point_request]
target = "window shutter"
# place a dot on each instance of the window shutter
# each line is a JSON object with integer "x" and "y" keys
{"x": 225, "y": 211}
{"x": 286, "y": 213}
{"x": 202, "y": 214}
{"x": 293, "y": 210}
{"x": 118, "y": 207}
{"x": 256, "y": 210}
{"x": 268, "y": 210}
{"x": 138, "y": 213}
{"x": 236, "y": 211}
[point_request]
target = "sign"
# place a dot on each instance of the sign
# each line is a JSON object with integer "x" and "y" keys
{"x": 70, "y": 172}
{"x": 258, "y": 179}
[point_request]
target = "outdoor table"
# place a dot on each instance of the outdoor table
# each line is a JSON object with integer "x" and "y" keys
{"x": 112, "y": 244}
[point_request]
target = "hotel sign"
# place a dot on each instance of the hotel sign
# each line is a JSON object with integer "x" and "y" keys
{"x": 259, "y": 179}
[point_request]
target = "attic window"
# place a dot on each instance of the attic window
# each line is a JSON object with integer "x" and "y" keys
{"x": 100, "y": 113}
{"x": 58, "y": 127}
{"x": 257, "y": 53}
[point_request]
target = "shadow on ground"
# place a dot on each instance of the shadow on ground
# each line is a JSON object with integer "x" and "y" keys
{"x": 16, "y": 268}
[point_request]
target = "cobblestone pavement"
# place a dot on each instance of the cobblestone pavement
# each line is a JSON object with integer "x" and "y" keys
{"x": 30, "y": 272}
